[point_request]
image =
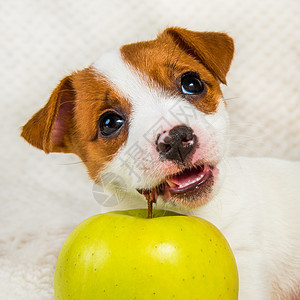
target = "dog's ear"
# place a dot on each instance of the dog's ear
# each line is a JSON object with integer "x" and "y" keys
{"x": 213, "y": 49}
{"x": 50, "y": 128}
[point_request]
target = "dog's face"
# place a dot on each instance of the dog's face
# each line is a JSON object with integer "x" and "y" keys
{"x": 151, "y": 113}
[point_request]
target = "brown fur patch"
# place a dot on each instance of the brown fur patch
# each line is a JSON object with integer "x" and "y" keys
{"x": 177, "y": 51}
{"x": 94, "y": 97}
{"x": 78, "y": 101}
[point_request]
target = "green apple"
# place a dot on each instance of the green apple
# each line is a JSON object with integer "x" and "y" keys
{"x": 124, "y": 255}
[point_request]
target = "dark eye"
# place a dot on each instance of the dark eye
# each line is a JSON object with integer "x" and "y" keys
{"x": 191, "y": 84}
{"x": 109, "y": 123}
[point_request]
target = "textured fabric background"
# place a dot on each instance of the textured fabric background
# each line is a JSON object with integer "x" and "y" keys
{"x": 43, "y": 197}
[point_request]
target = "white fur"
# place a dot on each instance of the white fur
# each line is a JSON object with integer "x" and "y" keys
{"x": 257, "y": 209}
{"x": 256, "y": 205}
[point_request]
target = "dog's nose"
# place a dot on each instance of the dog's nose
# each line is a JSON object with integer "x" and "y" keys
{"x": 176, "y": 144}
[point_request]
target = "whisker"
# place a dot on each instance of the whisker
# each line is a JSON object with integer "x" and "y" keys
{"x": 169, "y": 62}
{"x": 81, "y": 100}
{"x": 72, "y": 163}
{"x": 108, "y": 156}
{"x": 73, "y": 90}
{"x": 168, "y": 57}
{"x": 66, "y": 90}
{"x": 175, "y": 63}
{"x": 232, "y": 98}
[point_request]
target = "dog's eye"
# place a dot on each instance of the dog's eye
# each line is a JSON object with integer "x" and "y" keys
{"x": 191, "y": 84}
{"x": 109, "y": 123}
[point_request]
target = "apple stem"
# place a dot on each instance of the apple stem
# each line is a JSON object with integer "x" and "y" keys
{"x": 150, "y": 200}
{"x": 150, "y": 206}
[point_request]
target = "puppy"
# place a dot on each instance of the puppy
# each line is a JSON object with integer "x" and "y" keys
{"x": 152, "y": 115}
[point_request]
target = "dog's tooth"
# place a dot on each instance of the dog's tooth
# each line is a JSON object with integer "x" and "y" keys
{"x": 170, "y": 183}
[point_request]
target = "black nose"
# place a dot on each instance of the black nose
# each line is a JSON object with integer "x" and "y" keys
{"x": 177, "y": 144}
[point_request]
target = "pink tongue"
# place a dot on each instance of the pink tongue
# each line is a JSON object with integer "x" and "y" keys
{"x": 189, "y": 176}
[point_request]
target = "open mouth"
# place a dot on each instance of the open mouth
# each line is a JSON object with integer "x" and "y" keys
{"x": 188, "y": 185}
{"x": 188, "y": 179}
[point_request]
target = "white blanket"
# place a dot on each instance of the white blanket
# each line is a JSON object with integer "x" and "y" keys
{"x": 42, "y": 198}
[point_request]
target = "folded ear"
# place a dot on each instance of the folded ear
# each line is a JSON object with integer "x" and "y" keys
{"x": 49, "y": 129}
{"x": 213, "y": 49}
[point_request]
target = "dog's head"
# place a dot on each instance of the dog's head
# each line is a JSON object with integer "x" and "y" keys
{"x": 151, "y": 113}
